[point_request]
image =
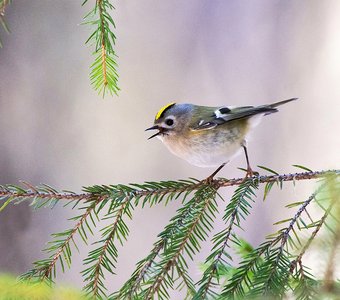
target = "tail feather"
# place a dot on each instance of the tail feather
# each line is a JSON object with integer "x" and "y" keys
{"x": 245, "y": 112}
{"x": 271, "y": 108}
{"x": 281, "y": 102}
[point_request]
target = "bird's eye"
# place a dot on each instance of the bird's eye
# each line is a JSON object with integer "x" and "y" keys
{"x": 169, "y": 122}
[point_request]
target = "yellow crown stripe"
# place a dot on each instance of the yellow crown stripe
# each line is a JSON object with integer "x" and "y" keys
{"x": 161, "y": 111}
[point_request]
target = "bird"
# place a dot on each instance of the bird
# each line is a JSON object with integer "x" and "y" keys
{"x": 207, "y": 136}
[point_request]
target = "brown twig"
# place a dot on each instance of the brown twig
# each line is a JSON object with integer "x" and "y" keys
{"x": 154, "y": 288}
{"x": 218, "y": 258}
{"x": 285, "y": 234}
{"x": 98, "y": 265}
{"x": 217, "y": 183}
{"x": 48, "y": 271}
{"x": 155, "y": 251}
{"x": 103, "y": 42}
{"x": 329, "y": 282}
{"x": 311, "y": 238}
{"x": 58, "y": 196}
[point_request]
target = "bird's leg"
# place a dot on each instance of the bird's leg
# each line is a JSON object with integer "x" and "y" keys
{"x": 217, "y": 170}
{"x": 209, "y": 179}
{"x": 250, "y": 172}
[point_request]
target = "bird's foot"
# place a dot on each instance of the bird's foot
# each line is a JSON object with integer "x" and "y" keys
{"x": 250, "y": 173}
{"x": 210, "y": 179}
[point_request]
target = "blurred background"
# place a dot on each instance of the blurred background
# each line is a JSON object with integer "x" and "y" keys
{"x": 56, "y": 130}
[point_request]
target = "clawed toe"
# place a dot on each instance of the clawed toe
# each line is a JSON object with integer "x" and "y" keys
{"x": 208, "y": 181}
{"x": 250, "y": 173}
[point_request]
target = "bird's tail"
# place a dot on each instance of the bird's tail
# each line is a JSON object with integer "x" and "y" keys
{"x": 273, "y": 105}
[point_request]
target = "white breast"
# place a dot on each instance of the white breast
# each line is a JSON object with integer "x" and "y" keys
{"x": 205, "y": 153}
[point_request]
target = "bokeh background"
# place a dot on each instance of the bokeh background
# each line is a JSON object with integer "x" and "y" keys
{"x": 55, "y": 129}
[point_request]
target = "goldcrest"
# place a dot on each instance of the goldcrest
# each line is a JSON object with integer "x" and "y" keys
{"x": 208, "y": 136}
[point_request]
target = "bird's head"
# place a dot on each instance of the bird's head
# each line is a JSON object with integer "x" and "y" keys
{"x": 171, "y": 119}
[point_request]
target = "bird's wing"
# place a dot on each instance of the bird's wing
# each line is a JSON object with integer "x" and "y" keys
{"x": 209, "y": 118}
{"x": 225, "y": 114}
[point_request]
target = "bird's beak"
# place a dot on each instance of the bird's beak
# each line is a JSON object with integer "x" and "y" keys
{"x": 153, "y": 128}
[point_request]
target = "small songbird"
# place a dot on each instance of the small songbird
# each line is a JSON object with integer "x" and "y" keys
{"x": 209, "y": 136}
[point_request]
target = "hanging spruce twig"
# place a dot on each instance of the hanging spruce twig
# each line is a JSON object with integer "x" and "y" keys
{"x": 104, "y": 76}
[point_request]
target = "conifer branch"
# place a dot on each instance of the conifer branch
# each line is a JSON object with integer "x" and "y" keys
{"x": 29, "y": 195}
{"x": 44, "y": 192}
{"x": 236, "y": 209}
{"x": 169, "y": 261}
{"x": 188, "y": 283}
{"x": 106, "y": 255}
{"x": 139, "y": 191}
{"x": 242, "y": 275}
{"x": 140, "y": 273}
{"x": 103, "y": 42}
{"x": 60, "y": 247}
{"x": 273, "y": 272}
{"x": 334, "y": 193}
{"x": 104, "y": 77}
{"x": 320, "y": 223}
{"x": 279, "y": 252}
{"x": 173, "y": 240}
{"x": 305, "y": 284}
{"x": 48, "y": 272}
{"x": 267, "y": 270}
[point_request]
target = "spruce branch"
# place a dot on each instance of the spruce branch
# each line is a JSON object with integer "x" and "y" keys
{"x": 185, "y": 239}
{"x": 266, "y": 270}
{"x": 186, "y": 282}
{"x": 104, "y": 77}
{"x": 304, "y": 285}
{"x": 149, "y": 190}
{"x": 38, "y": 196}
{"x": 242, "y": 278}
{"x": 334, "y": 193}
{"x": 318, "y": 225}
{"x": 272, "y": 276}
{"x": 272, "y": 273}
{"x": 237, "y": 209}
{"x": 105, "y": 256}
{"x": 60, "y": 248}
{"x": 132, "y": 286}
{"x": 181, "y": 235}
{"x": 281, "y": 257}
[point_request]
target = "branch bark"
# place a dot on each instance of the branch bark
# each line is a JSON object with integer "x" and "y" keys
{"x": 30, "y": 193}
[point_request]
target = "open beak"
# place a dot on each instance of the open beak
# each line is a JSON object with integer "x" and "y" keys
{"x": 153, "y": 128}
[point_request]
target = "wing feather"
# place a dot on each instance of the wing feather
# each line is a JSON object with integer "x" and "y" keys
{"x": 215, "y": 117}
{"x": 225, "y": 114}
